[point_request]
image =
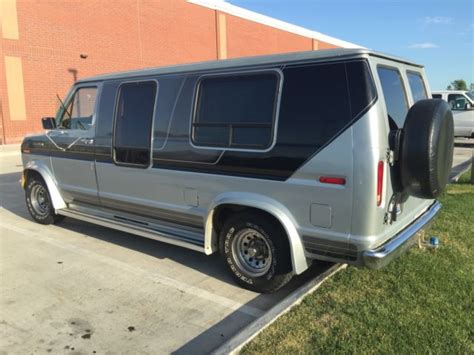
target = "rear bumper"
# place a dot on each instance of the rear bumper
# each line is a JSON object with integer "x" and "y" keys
{"x": 381, "y": 256}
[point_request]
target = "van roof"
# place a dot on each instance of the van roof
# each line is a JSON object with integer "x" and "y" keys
{"x": 333, "y": 54}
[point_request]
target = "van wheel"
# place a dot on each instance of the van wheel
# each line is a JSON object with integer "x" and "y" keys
{"x": 256, "y": 252}
{"x": 39, "y": 203}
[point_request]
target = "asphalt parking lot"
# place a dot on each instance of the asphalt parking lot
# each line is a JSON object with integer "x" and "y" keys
{"x": 77, "y": 287}
{"x": 80, "y": 288}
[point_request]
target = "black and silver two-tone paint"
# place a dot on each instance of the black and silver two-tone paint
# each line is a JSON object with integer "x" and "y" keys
{"x": 160, "y": 152}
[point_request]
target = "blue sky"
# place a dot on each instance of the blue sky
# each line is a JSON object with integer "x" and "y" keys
{"x": 438, "y": 34}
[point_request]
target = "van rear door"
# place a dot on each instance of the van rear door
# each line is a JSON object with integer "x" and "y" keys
{"x": 402, "y": 85}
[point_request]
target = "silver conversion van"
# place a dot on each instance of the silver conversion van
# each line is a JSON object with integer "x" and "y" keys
{"x": 272, "y": 161}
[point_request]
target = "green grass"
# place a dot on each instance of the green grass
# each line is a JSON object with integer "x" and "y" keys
{"x": 422, "y": 302}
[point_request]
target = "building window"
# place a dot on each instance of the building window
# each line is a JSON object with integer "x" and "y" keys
{"x": 417, "y": 86}
{"x": 133, "y": 123}
{"x": 236, "y": 111}
{"x": 394, "y": 94}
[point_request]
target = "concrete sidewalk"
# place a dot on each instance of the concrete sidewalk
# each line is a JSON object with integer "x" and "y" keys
{"x": 7, "y": 148}
{"x": 461, "y": 161}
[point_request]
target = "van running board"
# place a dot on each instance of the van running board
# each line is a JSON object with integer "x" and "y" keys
{"x": 151, "y": 233}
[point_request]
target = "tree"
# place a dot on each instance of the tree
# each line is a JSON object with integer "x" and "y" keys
{"x": 459, "y": 84}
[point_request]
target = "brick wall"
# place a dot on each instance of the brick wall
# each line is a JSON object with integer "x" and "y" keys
{"x": 117, "y": 35}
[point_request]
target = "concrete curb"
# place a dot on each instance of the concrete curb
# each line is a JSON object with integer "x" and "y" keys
{"x": 460, "y": 169}
{"x": 238, "y": 341}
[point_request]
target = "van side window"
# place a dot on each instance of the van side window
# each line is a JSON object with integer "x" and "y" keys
{"x": 80, "y": 110}
{"x": 394, "y": 93}
{"x": 318, "y": 101}
{"x": 133, "y": 122}
{"x": 417, "y": 86}
{"x": 236, "y": 111}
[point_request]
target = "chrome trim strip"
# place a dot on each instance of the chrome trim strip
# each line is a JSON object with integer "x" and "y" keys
{"x": 124, "y": 227}
{"x": 381, "y": 256}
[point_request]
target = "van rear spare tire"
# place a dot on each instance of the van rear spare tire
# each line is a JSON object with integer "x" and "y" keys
{"x": 427, "y": 150}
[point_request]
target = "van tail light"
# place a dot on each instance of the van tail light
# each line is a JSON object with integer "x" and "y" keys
{"x": 380, "y": 169}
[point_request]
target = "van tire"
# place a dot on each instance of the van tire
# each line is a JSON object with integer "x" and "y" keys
{"x": 427, "y": 149}
{"x": 265, "y": 235}
{"x": 38, "y": 202}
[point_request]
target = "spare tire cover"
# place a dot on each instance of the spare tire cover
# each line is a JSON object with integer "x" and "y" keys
{"x": 427, "y": 149}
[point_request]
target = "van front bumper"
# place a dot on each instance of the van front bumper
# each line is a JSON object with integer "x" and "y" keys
{"x": 381, "y": 256}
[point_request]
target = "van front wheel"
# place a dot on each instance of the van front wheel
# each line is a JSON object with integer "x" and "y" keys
{"x": 39, "y": 203}
{"x": 254, "y": 250}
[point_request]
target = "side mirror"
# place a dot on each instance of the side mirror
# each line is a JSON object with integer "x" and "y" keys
{"x": 467, "y": 106}
{"x": 48, "y": 122}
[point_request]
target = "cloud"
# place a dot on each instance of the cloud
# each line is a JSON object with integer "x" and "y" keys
{"x": 437, "y": 20}
{"x": 424, "y": 45}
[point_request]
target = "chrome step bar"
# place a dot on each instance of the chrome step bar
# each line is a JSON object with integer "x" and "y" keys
{"x": 150, "y": 233}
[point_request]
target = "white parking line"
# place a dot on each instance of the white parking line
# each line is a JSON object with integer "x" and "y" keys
{"x": 152, "y": 276}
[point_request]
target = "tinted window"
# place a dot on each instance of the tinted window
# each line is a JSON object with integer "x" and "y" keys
{"x": 170, "y": 90}
{"x": 133, "y": 121}
{"x": 394, "y": 93}
{"x": 417, "y": 86}
{"x": 458, "y": 102}
{"x": 361, "y": 87}
{"x": 316, "y": 102}
{"x": 80, "y": 109}
{"x": 437, "y": 96}
{"x": 236, "y": 111}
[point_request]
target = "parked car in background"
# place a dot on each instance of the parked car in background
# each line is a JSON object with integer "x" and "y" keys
{"x": 462, "y": 105}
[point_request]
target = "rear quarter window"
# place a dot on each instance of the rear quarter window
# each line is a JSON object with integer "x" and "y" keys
{"x": 319, "y": 101}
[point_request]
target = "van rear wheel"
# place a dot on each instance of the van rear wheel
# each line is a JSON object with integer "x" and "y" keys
{"x": 38, "y": 202}
{"x": 254, "y": 250}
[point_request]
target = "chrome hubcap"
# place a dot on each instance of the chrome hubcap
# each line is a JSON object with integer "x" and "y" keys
{"x": 39, "y": 200}
{"x": 252, "y": 252}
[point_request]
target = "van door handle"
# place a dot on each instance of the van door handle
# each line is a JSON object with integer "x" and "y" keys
{"x": 87, "y": 140}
